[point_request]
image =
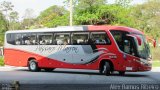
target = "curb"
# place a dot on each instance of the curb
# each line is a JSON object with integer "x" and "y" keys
{"x": 155, "y": 69}
{"x": 10, "y": 68}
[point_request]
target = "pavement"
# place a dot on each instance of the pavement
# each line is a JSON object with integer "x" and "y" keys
{"x": 155, "y": 69}
{"x": 10, "y": 68}
{"x": 68, "y": 79}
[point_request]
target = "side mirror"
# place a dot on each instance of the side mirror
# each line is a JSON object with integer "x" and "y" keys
{"x": 154, "y": 43}
{"x": 139, "y": 40}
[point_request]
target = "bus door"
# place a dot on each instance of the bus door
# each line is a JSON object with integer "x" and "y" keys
{"x": 130, "y": 52}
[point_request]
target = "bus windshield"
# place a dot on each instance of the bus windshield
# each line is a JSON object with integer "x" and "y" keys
{"x": 143, "y": 48}
{"x": 133, "y": 44}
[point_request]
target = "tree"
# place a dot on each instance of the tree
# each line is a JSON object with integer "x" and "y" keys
{"x": 147, "y": 17}
{"x": 3, "y": 23}
{"x": 124, "y": 3}
{"x": 54, "y": 16}
{"x": 6, "y": 7}
{"x": 3, "y": 28}
{"x": 29, "y": 18}
{"x": 13, "y": 20}
{"x": 83, "y": 4}
{"x": 99, "y": 12}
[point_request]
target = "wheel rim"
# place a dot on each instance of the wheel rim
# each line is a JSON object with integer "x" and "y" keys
{"x": 33, "y": 65}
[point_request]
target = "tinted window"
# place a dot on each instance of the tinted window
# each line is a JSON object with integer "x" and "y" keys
{"x": 100, "y": 38}
{"x": 18, "y": 39}
{"x": 45, "y": 39}
{"x": 21, "y": 39}
{"x": 80, "y": 38}
{"x": 28, "y": 39}
{"x": 11, "y": 38}
{"x": 62, "y": 38}
{"x": 120, "y": 37}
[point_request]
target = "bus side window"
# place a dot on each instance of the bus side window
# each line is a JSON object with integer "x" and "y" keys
{"x": 25, "y": 39}
{"x": 62, "y": 38}
{"x": 80, "y": 38}
{"x": 100, "y": 38}
{"x": 45, "y": 39}
{"x": 11, "y": 38}
{"x": 33, "y": 40}
{"x": 119, "y": 37}
{"x": 128, "y": 47}
{"x": 18, "y": 39}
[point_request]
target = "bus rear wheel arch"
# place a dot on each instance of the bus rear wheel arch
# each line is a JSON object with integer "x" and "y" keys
{"x": 33, "y": 65}
{"x": 106, "y": 67}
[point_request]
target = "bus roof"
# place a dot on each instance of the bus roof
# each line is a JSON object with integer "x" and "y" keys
{"x": 80, "y": 28}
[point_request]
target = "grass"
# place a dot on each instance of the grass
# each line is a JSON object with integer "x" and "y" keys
{"x": 1, "y": 61}
{"x": 156, "y": 64}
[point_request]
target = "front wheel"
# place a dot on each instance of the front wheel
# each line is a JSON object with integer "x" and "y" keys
{"x": 105, "y": 69}
{"x": 33, "y": 66}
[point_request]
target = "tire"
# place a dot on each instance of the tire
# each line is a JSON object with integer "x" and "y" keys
{"x": 121, "y": 73}
{"x": 33, "y": 66}
{"x": 105, "y": 69}
{"x": 49, "y": 69}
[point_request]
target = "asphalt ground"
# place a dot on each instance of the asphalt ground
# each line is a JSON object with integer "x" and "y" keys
{"x": 77, "y": 79}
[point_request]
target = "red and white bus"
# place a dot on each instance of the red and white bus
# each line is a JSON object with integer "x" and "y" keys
{"x": 103, "y": 48}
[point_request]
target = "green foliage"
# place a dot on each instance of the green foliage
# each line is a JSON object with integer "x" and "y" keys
{"x": 84, "y": 4}
{"x": 1, "y": 61}
{"x": 1, "y": 39}
{"x": 155, "y": 53}
{"x": 3, "y": 28}
{"x": 104, "y": 14}
{"x": 147, "y": 17}
{"x": 156, "y": 64}
{"x": 54, "y": 16}
{"x": 123, "y": 3}
{"x": 58, "y": 21}
{"x": 3, "y": 24}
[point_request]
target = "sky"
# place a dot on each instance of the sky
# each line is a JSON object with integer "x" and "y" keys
{"x": 39, "y": 5}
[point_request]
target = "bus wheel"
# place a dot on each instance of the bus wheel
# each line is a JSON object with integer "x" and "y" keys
{"x": 121, "y": 72}
{"x": 33, "y": 66}
{"x": 49, "y": 69}
{"x": 106, "y": 69}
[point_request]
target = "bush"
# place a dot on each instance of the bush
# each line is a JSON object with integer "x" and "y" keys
{"x": 156, "y": 64}
{"x": 155, "y": 53}
{"x": 1, "y": 61}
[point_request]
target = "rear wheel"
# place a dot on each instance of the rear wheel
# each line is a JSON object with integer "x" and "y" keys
{"x": 49, "y": 69}
{"x": 105, "y": 69}
{"x": 33, "y": 65}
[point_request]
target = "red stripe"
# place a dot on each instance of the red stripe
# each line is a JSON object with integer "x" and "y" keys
{"x": 17, "y": 57}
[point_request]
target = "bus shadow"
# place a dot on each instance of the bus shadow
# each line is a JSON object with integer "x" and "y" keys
{"x": 75, "y": 72}
{"x": 130, "y": 75}
{"x": 94, "y": 73}
{"x": 90, "y": 73}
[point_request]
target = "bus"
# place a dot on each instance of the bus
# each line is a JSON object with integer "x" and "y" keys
{"x": 92, "y": 47}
